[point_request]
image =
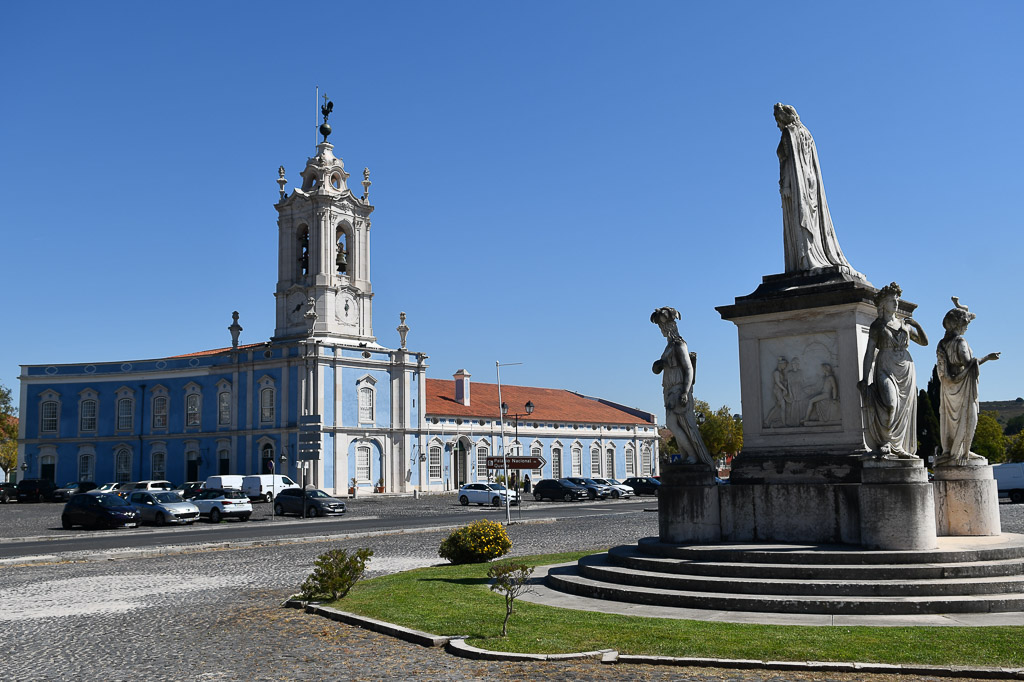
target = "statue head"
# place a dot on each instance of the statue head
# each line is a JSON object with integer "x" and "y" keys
{"x": 785, "y": 115}
{"x": 957, "y": 319}
{"x": 666, "y": 318}
{"x": 888, "y": 296}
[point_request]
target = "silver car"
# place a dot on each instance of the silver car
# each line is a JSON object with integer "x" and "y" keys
{"x": 163, "y": 507}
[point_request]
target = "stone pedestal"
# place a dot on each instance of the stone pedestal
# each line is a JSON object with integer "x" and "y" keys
{"x": 688, "y": 506}
{"x": 897, "y": 505}
{"x": 966, "y": 501}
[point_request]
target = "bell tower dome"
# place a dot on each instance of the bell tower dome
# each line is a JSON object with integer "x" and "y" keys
{"x": 324, "y": 251}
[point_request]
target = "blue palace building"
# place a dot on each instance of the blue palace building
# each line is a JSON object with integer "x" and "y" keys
{"x": 321, "y": 400}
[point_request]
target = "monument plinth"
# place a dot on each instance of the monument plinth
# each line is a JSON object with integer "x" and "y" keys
{"x": 966, "y": 500}
{"x": 688, "y": 505}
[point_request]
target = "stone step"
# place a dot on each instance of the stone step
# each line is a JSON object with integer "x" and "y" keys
{"x": 603, "y": 568}
{"x": 568, "y": 579}
{"x": 630, "y": 556}
{"x": 1005, "y": 546}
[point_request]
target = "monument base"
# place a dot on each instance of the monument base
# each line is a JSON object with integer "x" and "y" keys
{"x": 688, "y": 505}
{"x": 899, "y": 503}
{"x": 966, "y": 501}
{"x": 825, "y": 513}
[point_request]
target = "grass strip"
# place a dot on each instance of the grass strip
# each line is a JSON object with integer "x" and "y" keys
{"x": 455, "y": 600}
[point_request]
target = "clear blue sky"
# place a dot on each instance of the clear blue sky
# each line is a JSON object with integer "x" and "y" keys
{"x": 545, "y": 173}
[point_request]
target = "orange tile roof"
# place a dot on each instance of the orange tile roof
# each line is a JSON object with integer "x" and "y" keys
{"x": 215, "y": 351}
{"x": 550, "y": 404}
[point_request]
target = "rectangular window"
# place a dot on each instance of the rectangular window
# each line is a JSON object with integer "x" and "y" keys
{"x": 160, "y": 412}
{"x": 630, "y": 464}
{"x": 224, "y": 408}
{"x": 267, "y": 405}
{"x": 48, "y": 421}
{"x": 159, "y": 465}
{"x": 435, "y": 463}
{"x": 481, "y": 461}
{"x": 365, "y": 405}
{"x": 556, "y": 462}
{"x": 363, "y": 463}
{"x": 645, "y": 461}
{"x": 595, "y": 461}
{"x": 88, "y": 419}
{"x": 123, "y": 466}
{"x": 537, "y": 473}
{"x": 85, "y": 468}
{"x": 192, "y": 410}
{"x": 124, "y": 414}
{"x": 577, "y": 461}
{"x": 609, "y": 470}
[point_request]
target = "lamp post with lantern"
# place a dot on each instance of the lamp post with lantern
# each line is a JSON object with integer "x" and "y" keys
{"x": 516, "y": 416}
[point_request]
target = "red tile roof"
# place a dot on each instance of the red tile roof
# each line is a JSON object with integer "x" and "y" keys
{"x": 215, "y": 351}
{"x": 550, "y": 404}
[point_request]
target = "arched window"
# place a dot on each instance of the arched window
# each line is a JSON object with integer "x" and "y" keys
{"x": 630, "y": 457}
{"x": 267, "y": 399}
{"x": 191, "y": 463}
{"x": 595, "y": 460}
{"x": 86, "y": 468}
{"x": 224, "y": 408}
{"x": 341, "y": 259}
{"x": 48, "y": 467}
{"x": 609, "y": 460}
{"x": 159, "y": 465}
{"x": 363, "y": 463}
{"x": 125, "y": 410}
{"x": 268, "y": 457}
{"x": 537, "y": 451}
{"x": 224, "y": 461}
{"x": 160, "y": 412}
{"x": 303, "y": 251}
{"x": 123, "y": 465}
{"x": 556, "y": 462}
{"x": 435, "y": 462}
{"x": 482, "y": 471}
{"x": 645, "y": 460}
{"x": 366, "y": 405}
{"x": 577, "y": 460}
{"x": 87, "y": 420}
{"x": 192, "y": 409}
{"x": 48, "y": 417}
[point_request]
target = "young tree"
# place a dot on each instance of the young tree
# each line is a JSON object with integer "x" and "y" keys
{"x": 8, "y": 431}
{"x": 512, "y": 580}
{"x": 721, "y": 432}
{"x": 989, "y": 440}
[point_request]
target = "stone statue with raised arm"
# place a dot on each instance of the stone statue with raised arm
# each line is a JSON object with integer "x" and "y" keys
{"x": 958, "y": 372}
{"x": 808, "y": 235}
{"x": 677, "y": 375}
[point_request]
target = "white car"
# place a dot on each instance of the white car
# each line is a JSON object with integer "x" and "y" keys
{"x": 619, "y": 489}
{"x": 486, "y": 493}
{"x": 218, "y": 504}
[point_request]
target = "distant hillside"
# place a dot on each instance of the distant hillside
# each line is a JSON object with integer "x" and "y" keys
{"x": 1006, "y": 409}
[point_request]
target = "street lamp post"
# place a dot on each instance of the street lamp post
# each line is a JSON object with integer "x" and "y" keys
{"x": 516, "y": 417}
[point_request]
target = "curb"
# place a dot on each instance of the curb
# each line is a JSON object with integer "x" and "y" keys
{"x": 457, "y": 646}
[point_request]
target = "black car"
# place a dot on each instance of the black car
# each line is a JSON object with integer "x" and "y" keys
{"x": 561, "y": 489}
{"x": 313, "y": 503}
{"x": 643, "y": 485}
{"x": 73, "y": 488}
{"x": 99, "y": 510}
{"x": 8, "y": 492}
{"x": 35, "y": 490}
{"x": 594, "y": 489}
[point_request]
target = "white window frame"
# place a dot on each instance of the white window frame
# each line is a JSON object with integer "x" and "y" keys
{"x": 483, "y": 451}
{"x": 556, "y": 460}
{"x": 576, "y": 465}
{"x": 366, "y": 400}
{"x": 223, "y": 404}
{"x": 609, "y": 460}
{"x": 158, "y": 463}
{"x": 49, "y": 412}
{"x": 193, "y": 406}
{"x": 88, "y": 412}
{"x": 645, "y": 460}
{"x": 435, "y": 454}
{"x": 125, "y": 414}
{"x": 86, "y": 464}
{"x": 159, "y": 408}
{"x": 537, "y": 450}
{"x": 268, "y": 401}
{"x": 595, "y": 458}
{"x": 629, "y": 455}
{"x": 364, "y": 462}
{"x": 122, "y": 464}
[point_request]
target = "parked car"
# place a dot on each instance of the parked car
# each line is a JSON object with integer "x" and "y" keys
{"x": 618, "y": 489}
{"x": 35, "y": 490}
{"x": 217, "y": 504}
{"x": 122, "y": 489}
{"x": 98, "y": 510}
{"x": 560, "y": 489}
{"x": 191, "y": 489}
{"x": 265, "y": 486}
{"x": 163, "y": 506}
{"x": 8, "y": 492}
{"x": 595, "y": 490}
{"x": 487, "y": 493}
{"x": 643, "y": 485}
{"x": 154, "y": 485}
{"x": 73, "y": 488}
{"x": 1010, "y": 480}
{"x": 310, "y": 502}
{"x": 106, "y": 488}
{"x": 225, "y": 481}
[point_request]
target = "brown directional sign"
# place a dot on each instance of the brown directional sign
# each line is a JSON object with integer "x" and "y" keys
{"x": 515, "y": 463}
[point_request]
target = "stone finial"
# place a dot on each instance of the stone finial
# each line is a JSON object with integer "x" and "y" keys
{"x": 326, "y": 109}
{"x": 366, "y": 184}
{"x": 310, "y": 313}
{"x": 235, "y": 329}
{"x": 403, "y": 329}
{"x": 281, "y": 182}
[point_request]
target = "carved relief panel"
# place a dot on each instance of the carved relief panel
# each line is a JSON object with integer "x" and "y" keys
{"x": 798, "y": 381}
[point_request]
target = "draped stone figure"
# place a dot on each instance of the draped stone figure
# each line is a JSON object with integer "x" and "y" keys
{"x": 889, "y": 386}
{"x": 958, "y": 372}
{"x": 809, "y": 237}
{"x": 677, "y": 374}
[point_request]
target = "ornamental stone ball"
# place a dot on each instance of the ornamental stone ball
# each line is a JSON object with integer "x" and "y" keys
{"x": 677, "y": 367}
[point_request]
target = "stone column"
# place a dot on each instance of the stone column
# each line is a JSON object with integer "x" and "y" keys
{"x": 897, "y": 507}
{"x": 688, "y": 510}
{"x": 966, "y": 501}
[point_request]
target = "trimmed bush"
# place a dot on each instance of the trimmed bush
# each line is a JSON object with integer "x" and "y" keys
{"x": 476, "y": 543}
{"x": 335, "y": 573}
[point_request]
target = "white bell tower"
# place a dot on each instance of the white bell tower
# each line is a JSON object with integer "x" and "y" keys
{"x": 324, "y": 251}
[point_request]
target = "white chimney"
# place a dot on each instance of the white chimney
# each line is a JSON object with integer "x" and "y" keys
{"x": 462, "y": 387}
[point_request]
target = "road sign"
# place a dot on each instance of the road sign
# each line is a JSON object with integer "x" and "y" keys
{"x": 309, "y": 436}
{"x": 309, "y": 419}
{"x": 516, "y": 462}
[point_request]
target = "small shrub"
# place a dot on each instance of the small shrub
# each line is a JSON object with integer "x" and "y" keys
{"x": 335, "y": 573}
{"x": 476, "y": 543}
{"x": 512, "y": 580}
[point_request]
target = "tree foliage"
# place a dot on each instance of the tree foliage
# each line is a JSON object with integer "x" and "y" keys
{"x": 720, "y": 431}
{"x": 1015, "y": 448}
{"x": 989, "y": 440}
{"x": 8, "y": 431}
{"x": 1014, "y": 425}
{"x": 512, "y": 580}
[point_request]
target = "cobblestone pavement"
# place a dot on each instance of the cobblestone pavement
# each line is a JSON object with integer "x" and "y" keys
{"x": 216, "y": 615}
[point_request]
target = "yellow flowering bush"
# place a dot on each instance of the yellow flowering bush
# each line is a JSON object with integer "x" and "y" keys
{"x": 476, "y": 543}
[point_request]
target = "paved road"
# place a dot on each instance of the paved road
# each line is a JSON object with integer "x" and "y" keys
{"x": 213, "y": 614}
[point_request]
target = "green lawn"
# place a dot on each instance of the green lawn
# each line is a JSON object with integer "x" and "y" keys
{"x": 455, "y": 600}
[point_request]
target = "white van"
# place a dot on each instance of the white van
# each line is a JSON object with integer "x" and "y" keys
{"x": 221, "y": 482}
{"x": 265, "y": 486}
{"x": 1010, "y": 480}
